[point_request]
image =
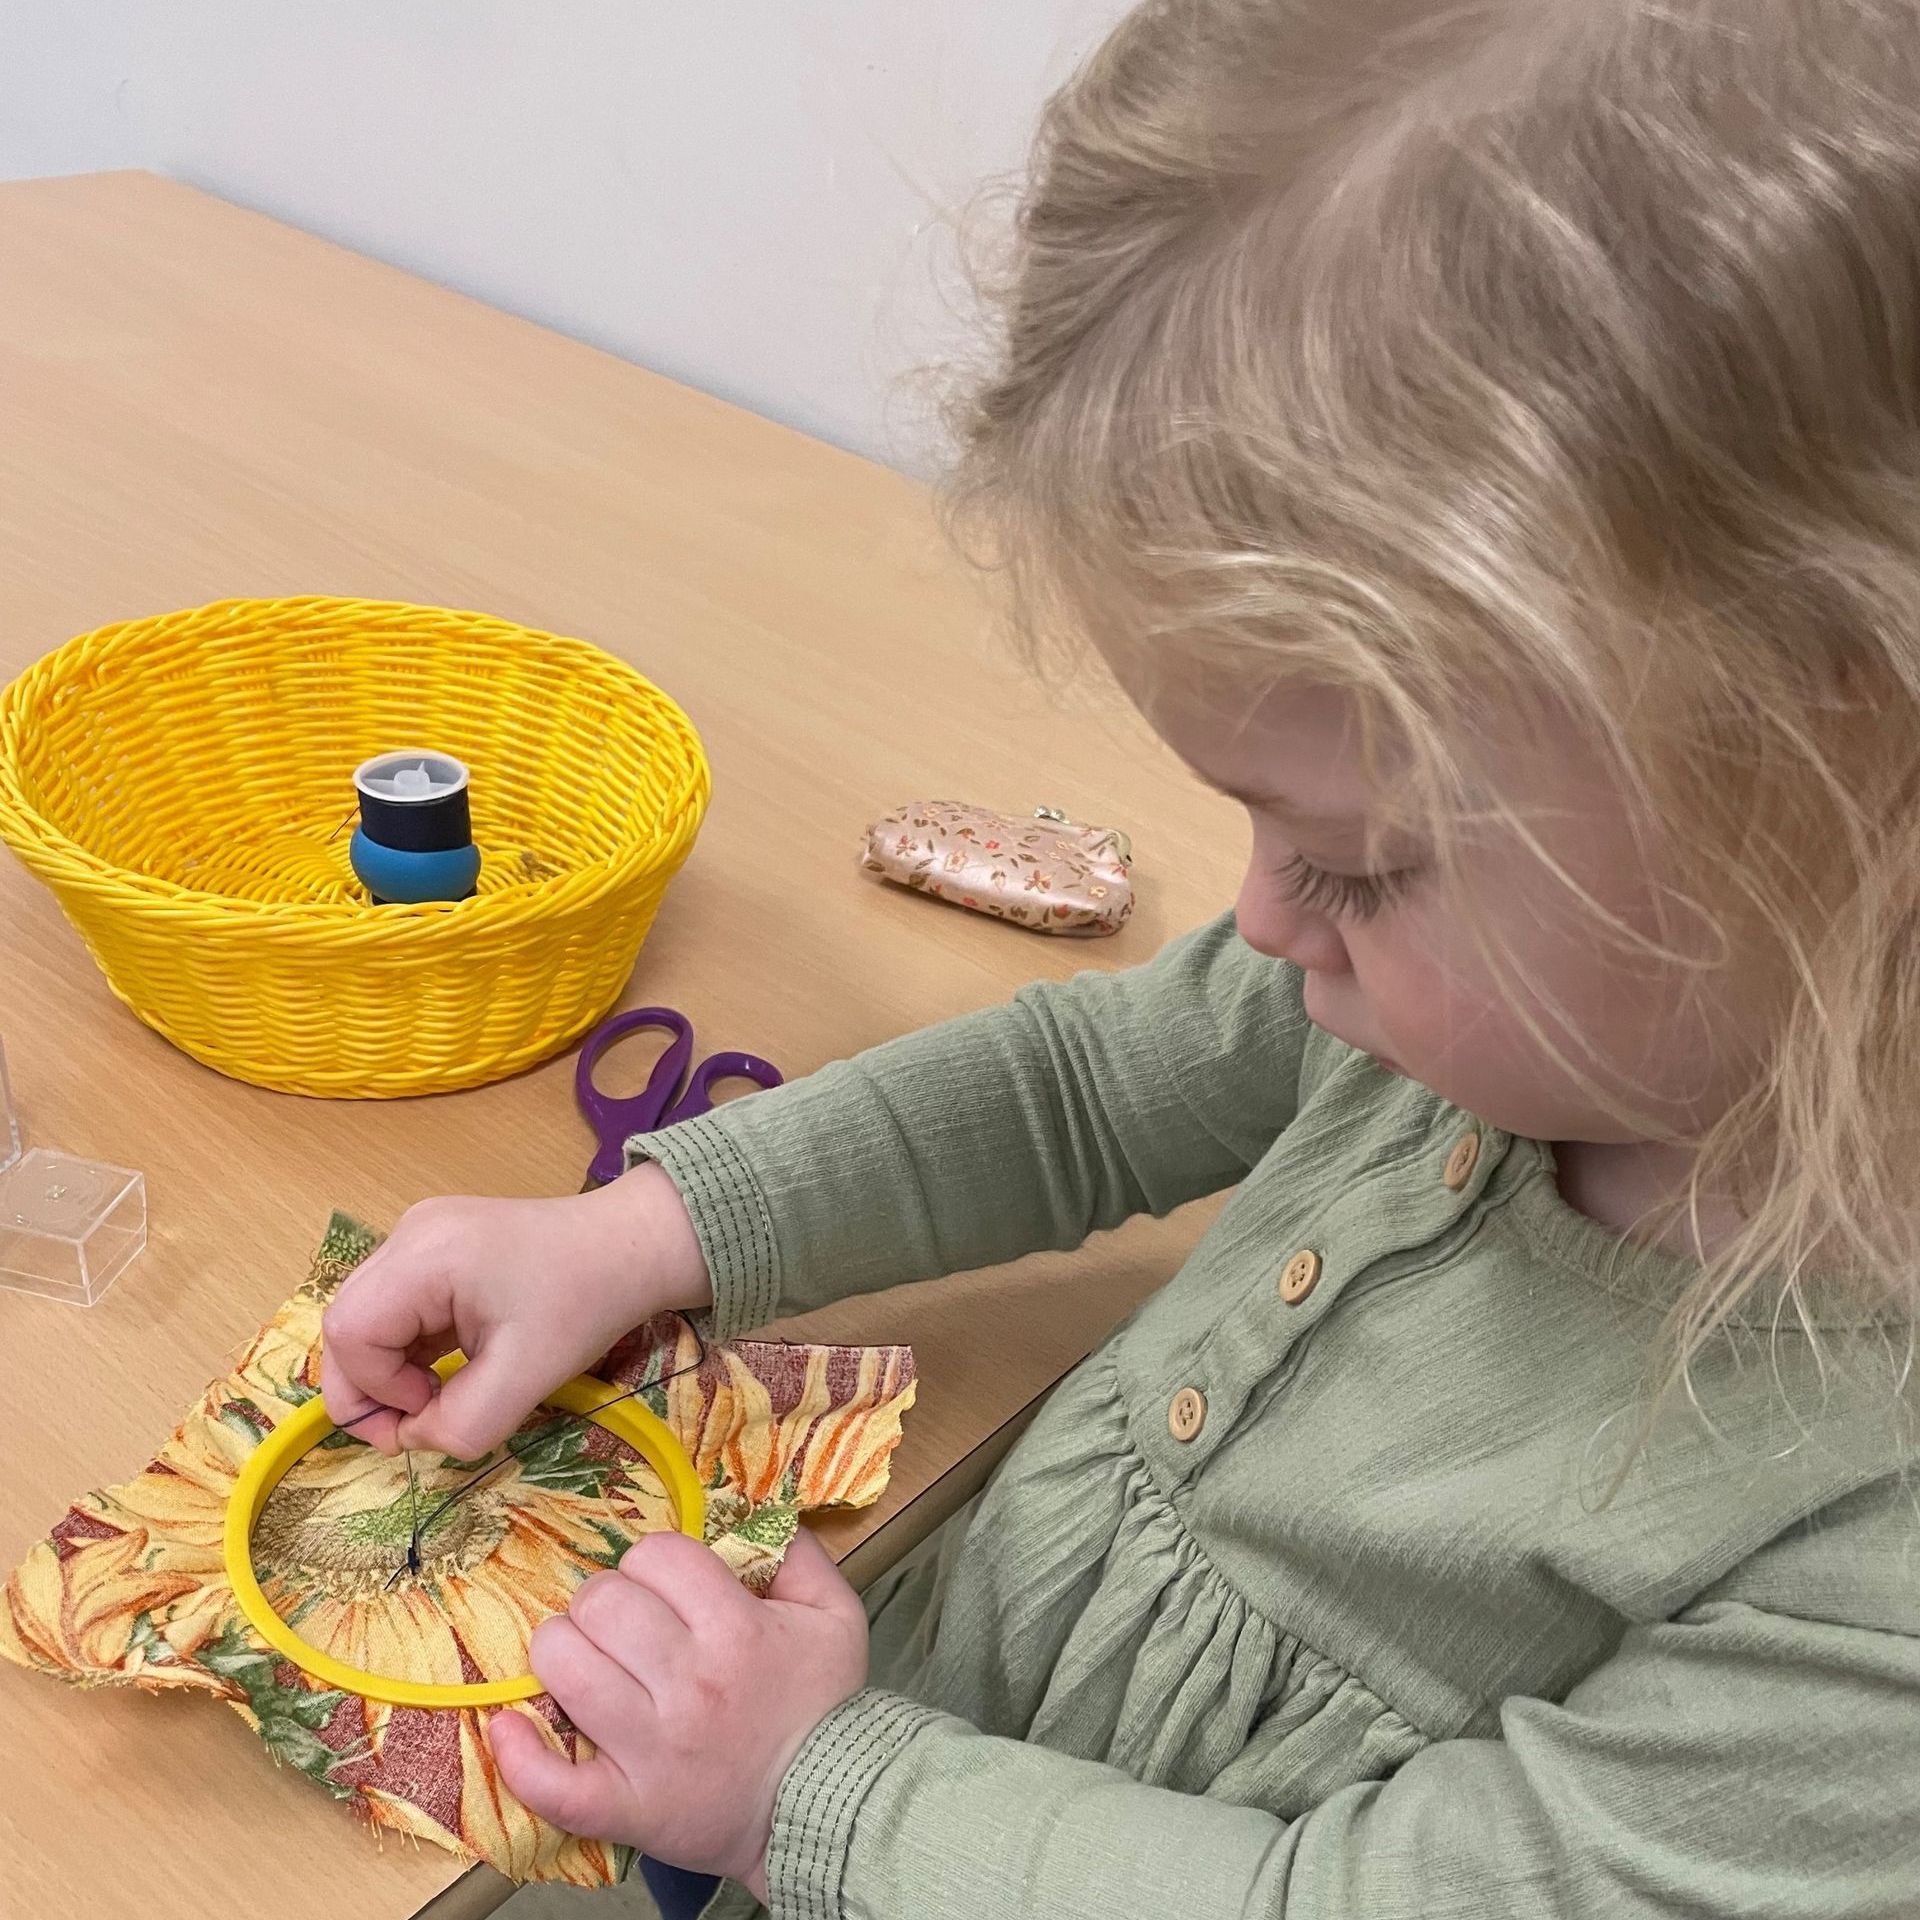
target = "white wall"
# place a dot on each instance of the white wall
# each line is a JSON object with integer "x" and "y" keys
{"x": 751, "y": 195}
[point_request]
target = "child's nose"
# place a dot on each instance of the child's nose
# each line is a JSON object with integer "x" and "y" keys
{"x": 1271, "y": 923}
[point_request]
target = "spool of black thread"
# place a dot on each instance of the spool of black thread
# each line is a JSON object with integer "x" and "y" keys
{"x": 414, "y": 842}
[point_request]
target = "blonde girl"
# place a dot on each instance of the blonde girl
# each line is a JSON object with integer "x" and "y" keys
{"x": 1484, "y": 437}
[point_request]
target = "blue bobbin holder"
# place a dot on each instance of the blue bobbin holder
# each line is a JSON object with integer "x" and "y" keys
{"x": 414, "y": 842}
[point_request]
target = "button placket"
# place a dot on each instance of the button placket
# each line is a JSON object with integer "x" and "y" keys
{"x": 1254, "y": 1343}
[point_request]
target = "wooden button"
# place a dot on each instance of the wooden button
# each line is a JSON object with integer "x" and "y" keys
{"x": 1299, "y": 1276}
{"x": 1188, "y": 1414}
{"x": 1462, "y": 1161}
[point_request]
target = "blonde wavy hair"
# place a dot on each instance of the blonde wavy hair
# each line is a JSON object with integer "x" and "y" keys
{"x": 1563, "y": 351}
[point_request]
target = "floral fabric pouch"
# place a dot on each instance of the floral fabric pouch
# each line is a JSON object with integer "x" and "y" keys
{"x": 1045, "y": 873}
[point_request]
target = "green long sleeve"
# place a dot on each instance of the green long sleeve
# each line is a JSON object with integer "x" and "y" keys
{"x": 1332, "y": 1587}
{"x": 1023, "y": 1127}
{"x": 1730, "y": 1763}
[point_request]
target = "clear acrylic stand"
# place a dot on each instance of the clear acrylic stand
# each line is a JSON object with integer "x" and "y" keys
{"x": 9, "y": 1124}
{"x": 68, "y": 1227}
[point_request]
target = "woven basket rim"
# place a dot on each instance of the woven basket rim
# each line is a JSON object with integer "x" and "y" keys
{"x": 55, "y": 856}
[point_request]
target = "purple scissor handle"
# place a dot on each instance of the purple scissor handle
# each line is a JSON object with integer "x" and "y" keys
{"x": 675, "y": 1090}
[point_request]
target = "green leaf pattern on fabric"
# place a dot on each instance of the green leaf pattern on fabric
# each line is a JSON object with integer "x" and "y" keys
{"x": 288, "y": 1717}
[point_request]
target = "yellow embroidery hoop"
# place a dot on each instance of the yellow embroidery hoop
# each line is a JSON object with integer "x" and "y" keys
{"x": 648, "y": 1435}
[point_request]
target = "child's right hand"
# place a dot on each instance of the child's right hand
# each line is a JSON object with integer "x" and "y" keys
{"x": 530, "y": 1291}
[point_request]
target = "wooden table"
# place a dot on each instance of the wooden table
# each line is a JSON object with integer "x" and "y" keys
{"x": 200, "y": 403}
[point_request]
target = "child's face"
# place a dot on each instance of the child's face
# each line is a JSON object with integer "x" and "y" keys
{"x": 1393, "y": 961}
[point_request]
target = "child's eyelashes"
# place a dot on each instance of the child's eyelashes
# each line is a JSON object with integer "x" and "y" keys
{"x": 1345, "y": 896}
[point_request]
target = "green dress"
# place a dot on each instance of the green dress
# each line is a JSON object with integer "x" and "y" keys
{"x": 1312, "y": 1593}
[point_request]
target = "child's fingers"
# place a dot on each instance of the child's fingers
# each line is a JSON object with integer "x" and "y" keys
{"x": 579, "y": 1796}
{"x": 687, "y": 1576}
{"x": 807, "y": 1577}
{"x": 630, "y": 1624}
{"x": 351, "y": 1410}
{"x": 601, "y": 1698}
{"x": 471, "y": 1413}
{"x": 380, "y": 1429}
{"x": 371, "y": 1331}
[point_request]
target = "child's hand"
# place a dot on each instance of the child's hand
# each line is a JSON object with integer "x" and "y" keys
{"x": 697, "y": 1696}
{"x": 530, "y": 1290}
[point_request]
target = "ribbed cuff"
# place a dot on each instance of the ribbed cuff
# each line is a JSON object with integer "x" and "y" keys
{"x": 814, "y": 1811}
{"x": 730, "y": 1216}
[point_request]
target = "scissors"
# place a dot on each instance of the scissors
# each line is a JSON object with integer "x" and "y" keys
{"x": 675, "y": 1090}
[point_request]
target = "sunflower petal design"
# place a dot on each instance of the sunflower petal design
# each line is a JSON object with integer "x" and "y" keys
{"x": 129, "y": 1587}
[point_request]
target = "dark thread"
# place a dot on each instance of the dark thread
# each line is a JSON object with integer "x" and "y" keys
{"x": 411, "y": 1564}
{"x": 510, "y": 1452}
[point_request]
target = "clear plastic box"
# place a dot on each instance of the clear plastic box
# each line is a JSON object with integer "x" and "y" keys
{"x": 68, "y": 1227}
{"x": 9, "y": 1121}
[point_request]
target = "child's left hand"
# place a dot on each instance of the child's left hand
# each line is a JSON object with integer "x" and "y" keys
{"x": 697, "y": 1695}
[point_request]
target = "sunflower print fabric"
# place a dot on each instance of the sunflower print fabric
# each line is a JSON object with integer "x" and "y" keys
{"x": 130, "y": 1587}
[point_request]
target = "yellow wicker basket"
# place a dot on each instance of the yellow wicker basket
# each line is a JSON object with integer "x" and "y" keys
{"x": 184, "y": 785}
